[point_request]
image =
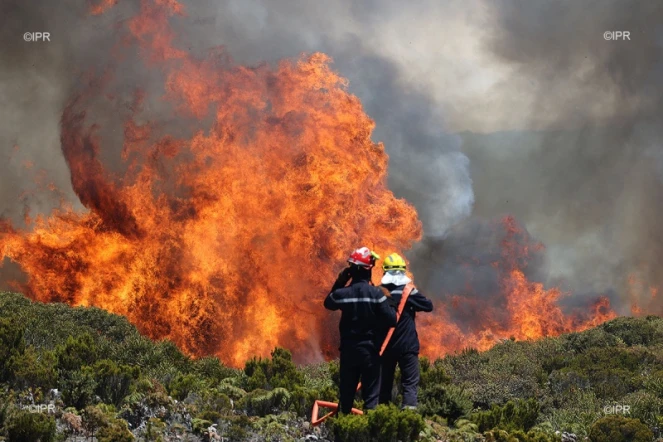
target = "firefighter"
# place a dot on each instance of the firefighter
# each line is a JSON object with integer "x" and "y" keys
{"x": 403, "y": 348}
{"x": 364, "y": 312}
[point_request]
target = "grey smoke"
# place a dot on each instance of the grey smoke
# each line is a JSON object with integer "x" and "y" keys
{"x": 586, "y": 180}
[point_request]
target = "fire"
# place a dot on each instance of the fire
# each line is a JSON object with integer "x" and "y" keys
{"x": 519, "y": 309}
{"x": 226, "y": 241}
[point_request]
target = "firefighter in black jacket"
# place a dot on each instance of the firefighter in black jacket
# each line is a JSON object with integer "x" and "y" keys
{"x": 403, "y": 348}
{"x": 364, "y": 312}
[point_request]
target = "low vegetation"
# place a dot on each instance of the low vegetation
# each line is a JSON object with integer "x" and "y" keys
{"x": 82, "y": 372}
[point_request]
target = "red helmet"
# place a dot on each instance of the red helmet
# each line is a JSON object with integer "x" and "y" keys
{"x": 363, "y": 257}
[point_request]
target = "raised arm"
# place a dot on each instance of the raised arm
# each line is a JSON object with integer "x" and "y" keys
{"x": 419, "y": 302}
{"x": 342, "y": 279}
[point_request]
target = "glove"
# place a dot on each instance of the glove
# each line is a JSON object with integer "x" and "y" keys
{"x": 343, "y": 277}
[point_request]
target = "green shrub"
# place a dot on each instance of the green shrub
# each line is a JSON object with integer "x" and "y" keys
{"x": 236, "y": 428}
{"x": 34, "y": 369}
{"x": 518, "y": 415}
{"x": 350, "y": 428}
{"x": 77, "y": 388}
{"x": 520, "y": 436}
{"x": 576, "y": 412}
{"x": 93, "y": 419}
{"x": 31, "y": 427}
{"x": 302, "y": 399}
{"x": 633, "y": 331}
{"x": 386, "y": 423}
{"x": 589, "y": 339}
{"x": 76, "y": 352}
{"x": 279, "y": 372}
{"x": 620, "y": 429}
{"x": 11, "y": 346}
{"x": 645, "y": 406}
{"x": 184, "y": 384}
{"x": 199, "y": 425}
{"x": 117, "y": 430}
{"x": 447, "y": 401}
{"x": 114, "y": 382}
{"x": 212, "y": 369}
{"x": 154, "y": 429}
{"x": 214, "y": 401}
{"x": 235, "y": 393}
{"x": 432, "y": 374}
{"x": 261, "y": 402}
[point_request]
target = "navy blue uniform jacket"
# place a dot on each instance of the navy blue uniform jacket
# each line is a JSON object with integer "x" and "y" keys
{"x": 364, "y": 312}
{"x": 405, "y": 338}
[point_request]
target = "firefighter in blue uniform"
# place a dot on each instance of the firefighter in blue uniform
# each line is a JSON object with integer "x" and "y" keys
{"x": 403, "y": 348}
{"x": 364, "y": 312}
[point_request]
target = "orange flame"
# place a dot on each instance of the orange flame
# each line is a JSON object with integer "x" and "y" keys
{"x": 521, "y": 309}
{"x": 226, "y": 242}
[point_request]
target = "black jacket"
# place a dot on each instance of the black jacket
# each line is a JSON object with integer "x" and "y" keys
{"x": 405, "y": 338}
{"x": 364, "y": 312}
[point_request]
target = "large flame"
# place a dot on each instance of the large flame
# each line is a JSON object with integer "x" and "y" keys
{"x": 518, "y": 309}
{"x": 226, "y": 241}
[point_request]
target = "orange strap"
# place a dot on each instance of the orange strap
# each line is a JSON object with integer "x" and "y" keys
{"x": 315, "y": 419}
{"x": 401, "y": 306}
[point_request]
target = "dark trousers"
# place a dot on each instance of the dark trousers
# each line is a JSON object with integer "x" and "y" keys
{"x": 409, "y": 365}
{"x": 359, "y": 362}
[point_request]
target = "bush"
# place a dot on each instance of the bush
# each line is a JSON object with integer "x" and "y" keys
{"x": 432, "y": 374}
{"x": 11, "y": 346}
{"x": 387, "y": 423}
{"x": 262, "y": 402}
{"x": 520, "y": 436}
{"x": 302, "y": 399}
{"x": 633, "y": 331}
{"x": 620, "y": 429}
{"x": 117, "y": 430}
{"x": 114, "y": 382}
{"x": 34, "y": 369}
{"x": 184, "y": 384}
{"x": 279, "y": 372}
{"x": 93, "y": 419}
{"x": 350, "y": 428}
{"x": 518, "y": 415}
{"x": 212, "y": 369}
{"x": 76, "y": 352}
{"x": 384, "y": 424}
{"x": 447, "y": 401}
{"x": 576, "y": 413}
{"x": 78, "y": 388}
{"x": 644, "y": 406}
{"x": 31, "y": 427}
{"x": 593, "y": 338}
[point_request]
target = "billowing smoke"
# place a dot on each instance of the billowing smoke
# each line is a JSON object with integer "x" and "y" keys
{"x": 581, "y": 163}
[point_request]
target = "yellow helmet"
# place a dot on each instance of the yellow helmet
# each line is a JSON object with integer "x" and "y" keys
{"x": 393, "y": 262}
